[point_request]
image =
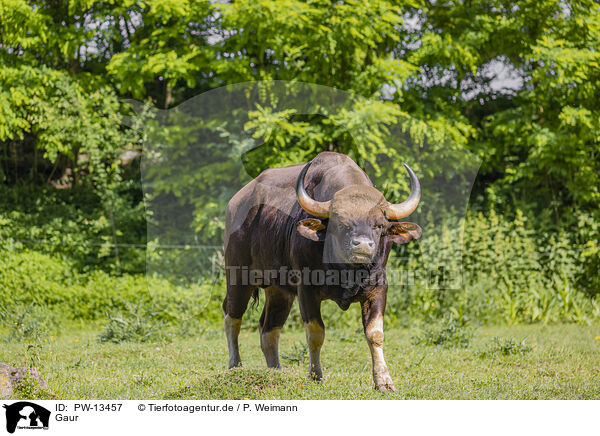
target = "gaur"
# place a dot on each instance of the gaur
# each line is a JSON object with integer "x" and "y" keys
{"x": 315, "y": 231}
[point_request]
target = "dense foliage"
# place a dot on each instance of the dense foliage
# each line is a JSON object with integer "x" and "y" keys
{"x": 513, "y": 83}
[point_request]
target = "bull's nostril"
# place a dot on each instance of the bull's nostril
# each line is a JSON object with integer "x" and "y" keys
{"x": 355, "y": 242}
{"x": 371, "y": 244}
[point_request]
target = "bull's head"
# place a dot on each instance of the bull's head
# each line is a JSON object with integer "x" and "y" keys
{"x": 359, "y": 217}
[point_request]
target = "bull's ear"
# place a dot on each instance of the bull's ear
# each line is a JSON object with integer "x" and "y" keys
{"x": 401, "y": 233}
{"x": 311, "y": 228}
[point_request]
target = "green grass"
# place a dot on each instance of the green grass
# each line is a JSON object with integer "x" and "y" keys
{"x": 563, "y": 363}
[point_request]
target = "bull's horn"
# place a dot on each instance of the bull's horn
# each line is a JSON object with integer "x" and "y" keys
{"x": 404, "y": 209}
{"x": 316, "y": 208}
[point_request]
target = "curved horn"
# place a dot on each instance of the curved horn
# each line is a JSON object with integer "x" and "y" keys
{"x": 408, "y": 206}
{"x": 316, "y": 208}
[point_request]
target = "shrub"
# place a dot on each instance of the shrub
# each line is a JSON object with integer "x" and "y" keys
{"x": 27, "y": 323}
{"x": 73, "y": 224}
{"x": 506, "y": 347}
{"x": 448, "y": 333}
{"x": 509, "y": 273}
{"x": 296, "y": 355}
{"x": 36, "y": 286}
{"x": 133, "y": 326}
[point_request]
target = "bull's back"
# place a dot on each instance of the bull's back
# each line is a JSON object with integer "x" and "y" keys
{"x": 273, "y": 188}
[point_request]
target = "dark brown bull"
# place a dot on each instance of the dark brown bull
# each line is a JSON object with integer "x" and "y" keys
{"x": 317, "y": 231}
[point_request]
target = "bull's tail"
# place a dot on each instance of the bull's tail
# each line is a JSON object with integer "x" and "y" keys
{"x": 255, "y": 299}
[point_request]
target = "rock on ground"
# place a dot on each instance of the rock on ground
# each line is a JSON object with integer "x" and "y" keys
{"x": 10, "y": 377}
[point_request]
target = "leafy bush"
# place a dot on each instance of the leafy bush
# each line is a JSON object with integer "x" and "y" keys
{"x": 73, "y": 224}
{"x": 506, "y": 347}
{"x": 449, "y": 333}
{"x": 508, "y": 271}
{"x": 29, "y": 387}
{"x": 133, "y": 326}
{"x": 27, "y": 323}
{"x": 52, "y": 288}
{"x": 297, "y": 354}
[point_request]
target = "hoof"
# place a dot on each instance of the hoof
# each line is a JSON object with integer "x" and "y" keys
{"x": 388, "y": 387}
{"x": 316, "y": 376}
{"x": 237, "y": 364}
{"x": 315, "y": 372}
{"x": 383, "y": 382}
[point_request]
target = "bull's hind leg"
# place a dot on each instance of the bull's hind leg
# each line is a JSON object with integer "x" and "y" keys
{"x": 277, "y": 308}
{"x": 232, "y": 331}
{"x": 234, "y": 306}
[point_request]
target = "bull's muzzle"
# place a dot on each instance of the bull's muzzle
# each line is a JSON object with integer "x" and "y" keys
{"x": 362, "y": 249}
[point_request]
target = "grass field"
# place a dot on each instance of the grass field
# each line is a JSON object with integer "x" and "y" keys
{"x": 541, "y": 362}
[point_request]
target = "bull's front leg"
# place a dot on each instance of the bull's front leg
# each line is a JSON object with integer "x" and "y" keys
{"x": 372, "y": 317}
{"x": 310, "y": 309}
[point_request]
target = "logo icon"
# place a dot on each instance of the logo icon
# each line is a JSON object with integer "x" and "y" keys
{"x": 26, "y": 415}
